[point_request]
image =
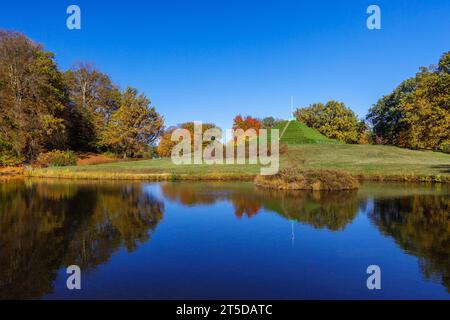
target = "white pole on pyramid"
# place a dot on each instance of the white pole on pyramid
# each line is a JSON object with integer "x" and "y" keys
{"x": 292, "y": 109}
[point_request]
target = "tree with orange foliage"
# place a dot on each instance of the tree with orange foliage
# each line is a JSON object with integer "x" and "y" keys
{"x": 166, "y": 144}
{"x": 246, "y": 123}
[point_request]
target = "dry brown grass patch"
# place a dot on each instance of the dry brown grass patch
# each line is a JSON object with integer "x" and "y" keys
{"x": 94, "y": 158}
{"x": 301, "y": 179}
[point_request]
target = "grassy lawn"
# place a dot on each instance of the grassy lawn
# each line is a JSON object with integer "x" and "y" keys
{"x": 373, "y": 162}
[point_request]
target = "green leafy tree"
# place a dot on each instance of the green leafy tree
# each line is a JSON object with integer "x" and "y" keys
{"x": 134, "y": 126}
{"x": 333, "y": 119}
{"x": 269, "y": 122}
{"x": 387, "y": 116}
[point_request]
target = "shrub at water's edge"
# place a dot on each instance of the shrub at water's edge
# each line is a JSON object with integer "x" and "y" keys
{"x": 300, "y": 179}
{"x": 56, "y": 158}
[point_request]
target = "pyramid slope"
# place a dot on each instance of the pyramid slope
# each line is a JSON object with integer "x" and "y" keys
{"x": 299, "y": 133}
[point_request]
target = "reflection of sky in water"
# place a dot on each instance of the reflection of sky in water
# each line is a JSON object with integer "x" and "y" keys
{"x": 229, "y": 240}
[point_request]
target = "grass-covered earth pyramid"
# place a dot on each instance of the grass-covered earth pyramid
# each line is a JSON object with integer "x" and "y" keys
{"x": 295, "y": 132}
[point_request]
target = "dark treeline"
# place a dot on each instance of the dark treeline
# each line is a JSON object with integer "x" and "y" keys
{"x": 44, "y": 109}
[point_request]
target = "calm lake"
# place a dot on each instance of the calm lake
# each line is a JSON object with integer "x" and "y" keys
{"x": 211, "y": 240}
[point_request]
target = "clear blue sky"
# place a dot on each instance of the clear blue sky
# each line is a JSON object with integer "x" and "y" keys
{"x": 210, "y": 60}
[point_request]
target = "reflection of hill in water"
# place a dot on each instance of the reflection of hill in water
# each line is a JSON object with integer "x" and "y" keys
{"x": 332, "y": 210}
{"x": 416, "y": 216}
{"x": 420, "y": 225}
{"x": 48, "y": 226}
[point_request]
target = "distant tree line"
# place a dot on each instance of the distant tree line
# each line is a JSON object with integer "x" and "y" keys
{"x": 239, "y": 122}
{"x": 43, "y": 108}
{"x": 166, "y": 143}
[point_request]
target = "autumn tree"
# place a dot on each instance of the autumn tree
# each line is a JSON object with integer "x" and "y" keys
{"x": 333, "y": 119}
{"x": 427, "y": 112}
{"x": 32, "y": 98}
{"x": 364, "y": 133}
{"x": 417, "y": 113}
{"x": 134, "y": 126}
{"x": 93, "y": 99}
{"x": 166, "y": 144}
{"x": 246, "y": 123}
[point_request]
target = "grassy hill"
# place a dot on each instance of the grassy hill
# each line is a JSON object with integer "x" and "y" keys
{"x": 294, "y": 132}
{"x": 306, "y": 148}
{"x": 367, "y": 161}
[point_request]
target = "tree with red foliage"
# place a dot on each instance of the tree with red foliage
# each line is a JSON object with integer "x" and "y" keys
{"x": 246, "y": 123}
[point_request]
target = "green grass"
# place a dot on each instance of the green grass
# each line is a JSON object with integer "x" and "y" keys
{"x": 370, "y": 161}
{"x": 366, "y": 161}
{"x": 155, "y": 169}
{"x": 298, "y": 133}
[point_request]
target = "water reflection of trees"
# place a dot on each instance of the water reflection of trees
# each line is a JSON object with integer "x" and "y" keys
{"x": 417, "y": 217}
{"x": 332, "y": 210}
{"x": 420, "y": 225}
{"x": 47, "y": 226}
{"x": 191, "y": 194}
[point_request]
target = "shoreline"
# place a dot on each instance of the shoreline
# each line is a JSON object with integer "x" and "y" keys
{"x": 444, "y": 179}
{"x": 364, "y": 162}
